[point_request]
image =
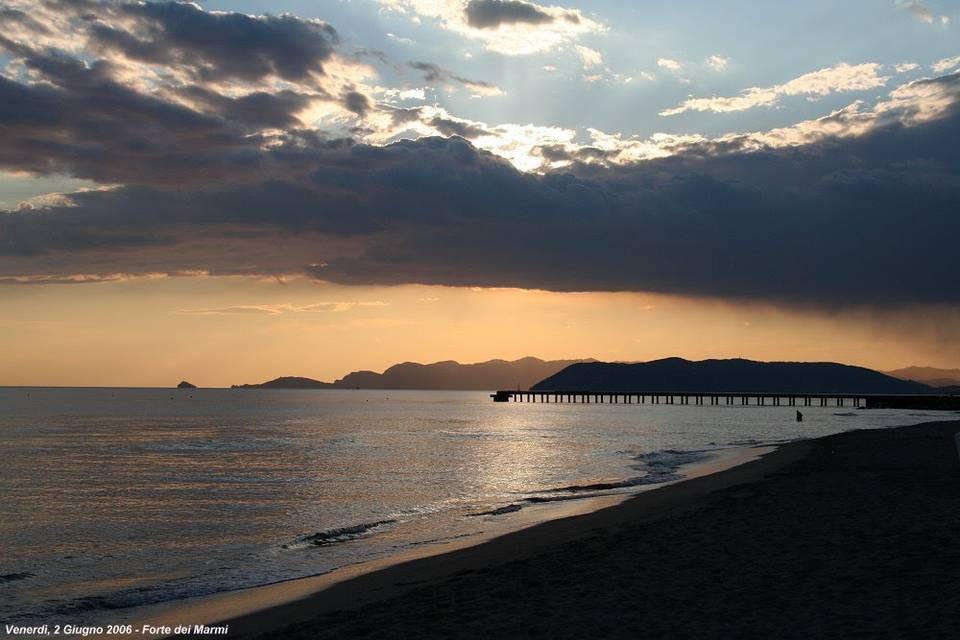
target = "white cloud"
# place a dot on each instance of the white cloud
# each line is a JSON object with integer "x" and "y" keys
{"x": 669, "y": 64}
{"x": 607, "y": 75}
{"x": 918, "y": 101}
{"x": 904, "y": 67}
{"x": 919, "y": 10}
{"x": 842, "y": 77}
{"x": 910, "y": 104}
{"x": 718, "y": 63}
{"x": 418, "y": 93}
{"x": 514, "y": 142}
{"x": 748, "y": 99}
{"x": 589, "y": 57}
{"x": 535, "y": 148}
{"x": 517, "y": 142}
{"x": 942, "y": 66}
{"x": 401, "y": 40}
{"x": 45, "y": 201}
{"x": 626, "y": 150}
{"x": 559, "y": 26}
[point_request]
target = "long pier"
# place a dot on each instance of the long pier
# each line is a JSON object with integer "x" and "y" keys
{"x": 743, "y": 398}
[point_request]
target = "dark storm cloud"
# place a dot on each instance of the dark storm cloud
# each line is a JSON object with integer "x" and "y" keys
{"x": 258, "y": 109}
{"x": 438, "y": 75}
{"x": 80, "y": 120}
{"x": 356, "y": 102}
{"x": 868, "y": 219}
{"x": 455, "y": 128}
{"x": 558, "y": 153}
{"x": 400, "y": 116}
{"x": 10, "y": 16}
{"x": 376, "y": 54}
{"x": 219, "y": 46}
{"x": 84, "y": 123}
{"x": 864, "y": 220}
{"x": 490, "y": 14}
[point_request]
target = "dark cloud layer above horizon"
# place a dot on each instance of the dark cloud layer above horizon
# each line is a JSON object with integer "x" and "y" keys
{"x": 868, "y": 220}
{"x": 204, "y": 185}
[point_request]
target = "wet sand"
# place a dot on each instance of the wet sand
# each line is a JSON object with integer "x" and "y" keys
{"x": 852, "y": 535}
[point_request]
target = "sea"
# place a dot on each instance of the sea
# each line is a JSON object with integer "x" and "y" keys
{"x": 112, "y": 499}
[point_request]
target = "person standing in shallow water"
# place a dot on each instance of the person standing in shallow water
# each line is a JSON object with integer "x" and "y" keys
{"x": 799, "y": 417}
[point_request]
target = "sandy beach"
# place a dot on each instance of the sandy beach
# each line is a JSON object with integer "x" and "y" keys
{"x": 852, "y": 535}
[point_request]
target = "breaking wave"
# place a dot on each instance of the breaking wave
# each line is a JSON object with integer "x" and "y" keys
{"x": 340, "y": 534}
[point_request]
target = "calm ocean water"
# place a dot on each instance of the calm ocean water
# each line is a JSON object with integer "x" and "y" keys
{"x": 113, "y": 498}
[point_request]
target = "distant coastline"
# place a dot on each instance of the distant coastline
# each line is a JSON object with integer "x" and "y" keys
{"x": 532, "y": 373}
{"x": 448, "y": 375}
{"x": 674, "y": 374}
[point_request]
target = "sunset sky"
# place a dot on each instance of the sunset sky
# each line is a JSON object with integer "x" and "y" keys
{"x": 231, "y": 191}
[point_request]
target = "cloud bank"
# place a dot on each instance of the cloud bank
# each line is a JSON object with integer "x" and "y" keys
{"x": 858, "y": 207}
{"x": 839, "y": 78}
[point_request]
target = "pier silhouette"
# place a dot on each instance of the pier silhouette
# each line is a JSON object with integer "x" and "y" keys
{"x": 742, "y": 398}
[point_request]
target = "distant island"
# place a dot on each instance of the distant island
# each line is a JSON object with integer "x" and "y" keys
{"x": 446, "y": 375}
{"x": 677, "y": 374}
{"x": 186, "y": 385}
{"x": 287, "y": 382}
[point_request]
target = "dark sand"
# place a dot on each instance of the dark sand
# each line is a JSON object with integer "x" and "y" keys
{"x": 855, "y": 535}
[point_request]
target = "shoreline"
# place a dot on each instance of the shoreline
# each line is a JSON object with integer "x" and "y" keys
{"x": 848, "y": 535}
{"x": 839, "y": 492}
{"x": 853, "y": 534}
{"x": 262, "y": 609}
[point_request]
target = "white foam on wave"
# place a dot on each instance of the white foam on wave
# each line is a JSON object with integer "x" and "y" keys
{"x": 339, "y": 534}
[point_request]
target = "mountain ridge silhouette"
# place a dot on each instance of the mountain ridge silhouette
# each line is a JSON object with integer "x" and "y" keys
{"x": 444, "y": 375}
{"x": 728, "y": 375}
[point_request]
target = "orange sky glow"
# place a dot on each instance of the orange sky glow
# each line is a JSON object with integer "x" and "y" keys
{"x": 217, "y": 331}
